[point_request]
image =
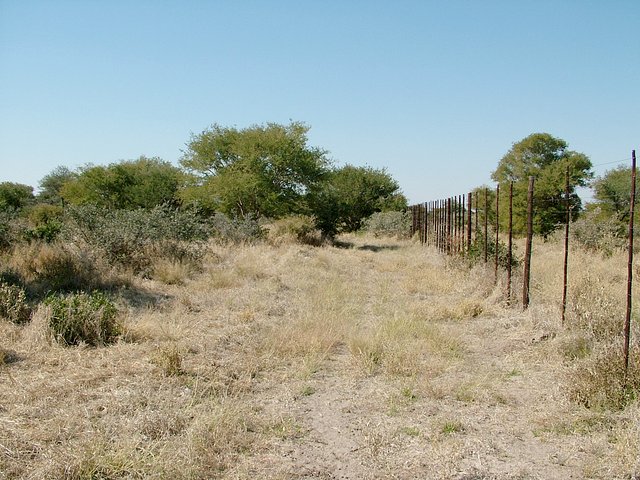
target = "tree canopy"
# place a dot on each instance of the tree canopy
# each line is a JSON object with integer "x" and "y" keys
{"x": 612, "y": 192}
{"x": 263, "y": 170}
{"x": 15, "y": 196}
{"x": 52, "y": 183}
{"x": 351, "y": 194}
{"x": 546, "y": 158}
{"x": 142, "y": 183}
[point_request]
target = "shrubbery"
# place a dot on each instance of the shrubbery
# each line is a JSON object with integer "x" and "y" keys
{"x": 127, "y": 237}
{"x": 245, "y": 229}
{"x": 83, "y": 318}
{"x": 599, "y": 233}
{"x": 13, "y": 303}
{"x": 388, "y": 224}
{"x": 476, "y": 253}
{"x": 45, "y": 268}
{"x": 294, "y": 229}
{"x": 601, "y": 382}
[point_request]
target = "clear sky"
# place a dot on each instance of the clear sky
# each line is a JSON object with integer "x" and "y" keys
{"x": 434, "y": 91}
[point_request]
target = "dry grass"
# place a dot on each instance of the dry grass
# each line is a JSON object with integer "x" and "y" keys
{"x": 379, "y": 359}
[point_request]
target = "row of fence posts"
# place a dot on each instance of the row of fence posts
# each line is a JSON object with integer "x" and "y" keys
{"x": 449, "y": 225}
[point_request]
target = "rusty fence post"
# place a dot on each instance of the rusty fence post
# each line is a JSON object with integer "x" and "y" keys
{"x": 510, "y": 244}
{"x": 461, "y": 217}
{"x": 455, "y": 225}
{"x": 565, "y": 269}
{"x": 469, "y": 201}
{"x": 449, "y": 230}
{"x": 486, "y": 224}
{"x": 497, "y": 243}
{"x": 627, "y": 321}
{"x": 414, "y": 223}
{"x": 477, "y": 197}
{"x": 527, "y": 254}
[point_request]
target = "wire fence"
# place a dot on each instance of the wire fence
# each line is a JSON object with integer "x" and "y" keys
{"x": 459, "y": 225}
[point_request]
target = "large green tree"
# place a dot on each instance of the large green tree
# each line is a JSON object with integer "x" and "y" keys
{"x": 52, "y": 183}
{"x": 546, "y": 158}
{"x": 351, "y": 194}
{"x": 15, "y": 196}
{"x": 142, "y": 183}
{"x": 262, "y": 170}
{"x": 612, "y": 192}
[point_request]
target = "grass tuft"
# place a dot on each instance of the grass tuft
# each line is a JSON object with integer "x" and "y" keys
{"x": 83, "y": 318}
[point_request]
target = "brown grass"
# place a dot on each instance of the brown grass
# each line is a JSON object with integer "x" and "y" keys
{"x": 379, "y": 359}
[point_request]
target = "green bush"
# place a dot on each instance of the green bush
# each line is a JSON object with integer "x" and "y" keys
{"x": 13, "y": 303}
{"x": 47, "y": 232}
{"x": 81, "y": 317}
{"x": 598, "y": 232}
{"x": 388, "y": 224}
{"x": 125, "y": 237}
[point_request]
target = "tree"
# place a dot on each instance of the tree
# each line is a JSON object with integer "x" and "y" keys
{"x": 612, "y": 192}
{"x": 142, "y": 183}
{"x": 351, "y": 194}
{"x": 52, "y": 183}
{"x": 546, "y": 158}
{"x": 15, "y": 196}
{"x": 263, "y": 170}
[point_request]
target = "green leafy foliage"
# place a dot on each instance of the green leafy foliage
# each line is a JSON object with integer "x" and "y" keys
{"x": 15, "y": 196}
{"x": 127, "y": 237}
{"x": 89, "y": 318}
{"x": 142, "y": 183}
{"x": 388, "y": 224}
{"x": 351, "y": 194}
{"x": 598, "y": 231}
{"x": 546, "y": 158}
{"x": 612, "y": 192}
{"x": 263, "y": 170}
{"x": 52, "y": 183}
{"x": 13, "y": 303}
{"x": 46, "y": 221}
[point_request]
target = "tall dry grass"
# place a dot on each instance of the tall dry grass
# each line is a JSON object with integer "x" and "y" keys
{"x": 205, "y": 378}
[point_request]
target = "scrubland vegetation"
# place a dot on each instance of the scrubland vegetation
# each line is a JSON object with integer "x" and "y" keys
{"x": 285, "y": 357}
{"x": 262, "y": 314}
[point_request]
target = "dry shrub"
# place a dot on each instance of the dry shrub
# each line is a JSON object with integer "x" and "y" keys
{"x": 294, "y": 229}
{"x": 57, "y": 268}
{"x": 83, "y": 318}
{"x": 601, "y": 382}
{"x": 13, "y": 303}
{"x": 594, "y": 307}
{"x": 169, "y": 360}
{"x": 171, "y": 272}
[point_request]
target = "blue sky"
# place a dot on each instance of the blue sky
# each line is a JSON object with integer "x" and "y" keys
{"x": 434, "y": 91}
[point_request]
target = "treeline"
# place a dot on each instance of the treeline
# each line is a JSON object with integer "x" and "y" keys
{"x": 260, "y": 172}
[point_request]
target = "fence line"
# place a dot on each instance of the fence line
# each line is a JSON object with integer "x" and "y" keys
{"x": 448, "y": 225}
